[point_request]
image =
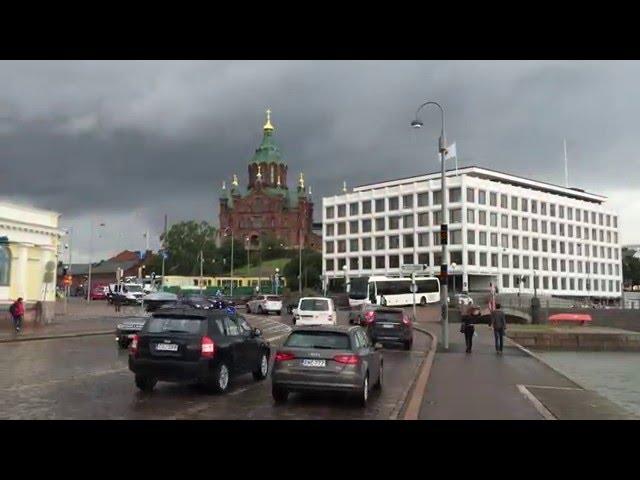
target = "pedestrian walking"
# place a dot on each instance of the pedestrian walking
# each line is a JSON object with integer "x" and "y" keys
{"x": 499, "y": 324}
{"x": 467, "y": 327}
{"x": 117, "y": 301}
{"x": 17, "y": 314}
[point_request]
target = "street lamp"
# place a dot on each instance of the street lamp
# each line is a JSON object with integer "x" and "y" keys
{"x": 91, "y": 259}
{"x": 346, "y": 277}
{"x": 453, "y": 272}
{"x": 226, "y": 232}
{"x": 442, "y": 146}
{"x": 277, "y": 279}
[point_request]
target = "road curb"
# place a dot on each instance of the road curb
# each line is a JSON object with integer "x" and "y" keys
{"x": 61, "y": 335}
{"x": 413, "y": 398}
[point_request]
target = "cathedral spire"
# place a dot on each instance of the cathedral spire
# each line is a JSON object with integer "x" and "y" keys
{"x": 301, "y": 181}
{"x": 235, "y": 181}
{"x": 267, "y": 126}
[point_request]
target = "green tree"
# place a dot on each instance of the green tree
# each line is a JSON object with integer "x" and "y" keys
{"x": 630, "y": 267}
{"x": 183, "y": 243}
{"x": 311, "y": 270}
{"x": 273, "y": 247}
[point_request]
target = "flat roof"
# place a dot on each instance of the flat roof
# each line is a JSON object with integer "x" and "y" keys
{"x": 489, "y": 174}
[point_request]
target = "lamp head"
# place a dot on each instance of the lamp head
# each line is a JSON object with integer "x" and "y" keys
{"x": 417, "y": 124}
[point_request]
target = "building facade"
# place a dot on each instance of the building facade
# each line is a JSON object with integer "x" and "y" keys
{"x": 516, "y": 233}
{"x": 268, "y": 207}
{"x": 29, "y": 240}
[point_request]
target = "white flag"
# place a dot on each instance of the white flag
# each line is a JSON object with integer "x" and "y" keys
{"x": 450, "y": 152}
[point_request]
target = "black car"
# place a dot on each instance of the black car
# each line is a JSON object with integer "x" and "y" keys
{"x": 127, "y": 329}
{"x": 197, "y": 301}
{"x": 385, "y": 325}
{"x": 207, "y": 347}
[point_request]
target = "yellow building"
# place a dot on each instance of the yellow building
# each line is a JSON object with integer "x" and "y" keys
{"x": 29, "y": 239}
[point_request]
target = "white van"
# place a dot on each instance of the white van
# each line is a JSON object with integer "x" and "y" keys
{"x": 315, "y": 311}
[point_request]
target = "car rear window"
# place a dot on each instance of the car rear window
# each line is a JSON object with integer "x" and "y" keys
{"x": 389, "y": 316}
{"x": 174, "y": 325}
{"x": 273, "y": 298}
{"x": 314, "y": 305}
{"x": 311, "y": 339}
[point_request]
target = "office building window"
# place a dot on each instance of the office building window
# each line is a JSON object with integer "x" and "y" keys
{"x": 504, "y": 220}
{"x": 525, "y": 224}
{"x": 494, "y": 259}
{"x": 505, "y": 281}
{"x": 482, "y": 217}
{"x": 437, "y": 217}
{"x": 394, "y": 261}
{"x": 380, "y": 205}
{"x": 471, "y": 257}
{"x": 437, "y": 197}
{"x": 505, "y": 261}
{"x": 353, "y": 245}
{"x": 514, "y": 203}
{"x": 342, "y": 210}
{"x": 471, "y": 237}
{"x": 423, "y": 199}
{"x": 493, "y": 219}
{"x": 525, "y": 243}
{"x": 379, "y": 243}
{"x": 353, "y": 226}
{"x": 534, "y": 206}
{"x": 570, "y": 214}
{"x": 455, "y": 195}
{"x": 543, "y": 208}
{"x": 407, "y": 259}
{"x": 560, "y": 211}
{"x": 407, "y": 241}
{"x": 394, "y": 223}
{"x": 329, "y": 212}
{"x": 394, "y": 203}
{"x": 379, "y": 224}
{"x": 470, "y": 195}
{"x": 366, "y": 263}
{"x": 552, "y": 209}
{"x": 342, "y": 228}
{"x": 482, "y": 197}
{"x": 504, "y": 240}
{"x": 423, "y": 258}
{"x": 329, "y": 264}
{"x": 342, "y": 246}
{"x": 354, "y": 264}
{"x": 515, "y": 242}
{"x": 423, "y": 239}
{"x": 455, "y": 215}
{"x": 330, "y": 230}
{"x": 504, "y": 201}
{"x": 516, "y": 261}
{"x": 407, "y": 201}
{"x": 525, "y": 262}
{"x": 366, "y": 225}
{"x": 423, "y": 219}
{"x": 483, "y": 259}
{"x": 380, "y": 261}
{"x": 366, "y": 243}
{"x": 366, "y": 206}
{"x": 534, "y": 225}
{"x": 436, "y": 238}
{"x": 407, "y": 221}
{"x": 514, "y": 223}
{"x": 471, "y": 214}
{"x": 329, "y": 246}
{"x": 353, "y": 208}
{"x": 483, "y": 238}
{"x": 525, "y": 205}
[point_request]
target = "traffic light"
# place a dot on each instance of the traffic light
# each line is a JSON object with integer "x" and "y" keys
{"x": 444, "y": 234}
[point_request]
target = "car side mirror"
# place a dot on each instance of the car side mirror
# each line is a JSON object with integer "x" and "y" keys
{"x": 378, "y": 346}
{"x": 257, "y": 332}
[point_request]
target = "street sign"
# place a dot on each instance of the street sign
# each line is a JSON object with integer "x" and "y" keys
{"x": 414, "y": 288}
{"x": 410, "y": 268}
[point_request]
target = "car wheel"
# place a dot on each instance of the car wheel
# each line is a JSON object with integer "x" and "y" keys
{"x": 378, "y": 385}
{"x": 423, "y": 301}
{"x": 280, "y": 395}
{"x": 260, "y": 310}
{"x": 146, "y": 384}
{"x": 248, "y": 308}
{"x": 363, "y": 395}
{"x": 221, "y": 379}
{"x": 408, "y": 345}
{"x": 279, "y": 312}
{"x": 263, "y": 367}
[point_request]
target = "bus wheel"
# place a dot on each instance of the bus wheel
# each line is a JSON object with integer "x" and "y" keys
{"x": 423, "y": 301}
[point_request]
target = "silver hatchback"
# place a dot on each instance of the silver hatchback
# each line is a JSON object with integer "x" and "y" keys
{"x": 327, "y": 359}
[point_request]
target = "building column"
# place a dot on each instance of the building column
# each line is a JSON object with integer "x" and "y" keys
{"x": 23, "y": 255}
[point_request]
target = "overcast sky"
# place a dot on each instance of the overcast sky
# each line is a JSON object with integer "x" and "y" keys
{"x": 124, "y": 142}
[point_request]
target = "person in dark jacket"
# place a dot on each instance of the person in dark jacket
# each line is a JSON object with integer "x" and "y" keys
{"x": 468, "y": 326}
{"x": 17, "y": 313}
{"x": 499, "y": 324}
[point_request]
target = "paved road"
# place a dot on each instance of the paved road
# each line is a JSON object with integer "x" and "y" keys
{"x": 88, "y": 378}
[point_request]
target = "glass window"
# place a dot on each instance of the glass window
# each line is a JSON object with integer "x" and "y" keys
{"x": 408, "y": 258}
{"x": 516, "y": 261}
{"x": 514, "y": 203}
{"x": 494, "y": 259}
{"x": 525, "y": 224}
{"x": 437, "y": 217}
{"x": 534, "y": 206}
{"x": 379, "y": 224}
{"x": 505, "y": 281}
{"x": 329, "y": 212}
{"x": 380, "y": 205}
{"x": 407, "y": 201}
{"x": 329, "y": 264}
{"x": 407, "y": 240}
{"x": 342, "y": 228}
{"x": 329, "y": 246}
{"x": 380, "y": 263}
{"x": 423, "y": 219}
{"x": 471, "y": 216}
{"x": 493, "y": 217}
{"x": 482, "y": 197}
{"x": 455, "y": 194}
{"x": 515, "y": 243}
{"x": 394, "y": 203}
{"x": 394, "y": 261}
{"x": 552, "y": 209}
{"x": 394, "y": 241}
{"x": 353, "y": 245}
{"x": 366, "y": 263}
{"x": 525, "y": 205}
{"x": 330, "y": 230}
{"x": 514, "y": 223}
{"x": 423, "y": 199}
{"x": 455, "y": 237}
{"x": 471, "y": 258}
{"x": 353, "y": 208}
{"x": 543, "y": 208}
{"x": 354, "y": 263}
{"x": 494, "y": 239}
{"x": 493, "y": 199}
{"x": 185, "y": 325}
{"x": 482, "y": 217}
{"x": 423, "y": 240}
{"x": 232, "y": 329}
{"x": 483, "y": 259}
{"x": 525, "y": 262}
{"x": 394, "y": 223}
{"x": 423, "y": 258}
{"x": 455, "y": 215}
{"x": 483, "y": 238}
{"x": 504, "y": 201}
{"x": 353, "y": 226}
{"x": 342, "y": 210}
{"x": 366, "y": 206}
{"x": 437, "y": 197}
{"x": 560, "y": 211}
{"x": 325, "y": 340}
{"x": 436, "y": 238}
{"x": 379, "y": 243}
{"x": 366, "y": 225}
{"x": 504, "y": 240}
{"x": 366, "y": 243}
{"x": 342, "y": 246}
{"x": 504, "y": 220}
{"x": 471, "y": 237}
{"x": 470, "y": 195}
{"x": 407, "y": 221}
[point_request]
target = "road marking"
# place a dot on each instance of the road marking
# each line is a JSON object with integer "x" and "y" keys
{"x": 542, "y": 410}
{"x": 553, "y": 388}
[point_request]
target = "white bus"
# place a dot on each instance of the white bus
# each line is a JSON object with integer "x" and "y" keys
{"x": 393, "y": 291}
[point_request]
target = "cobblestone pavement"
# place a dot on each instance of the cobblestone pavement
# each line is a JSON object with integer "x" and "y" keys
{"x": 88, "y": 378}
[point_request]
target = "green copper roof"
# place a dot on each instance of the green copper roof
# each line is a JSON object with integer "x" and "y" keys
{"x": 268, "y": 151}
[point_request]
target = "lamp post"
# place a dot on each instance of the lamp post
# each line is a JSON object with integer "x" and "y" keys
{"x": 67, "y": 289}
{"x": 228, "y": 231}
{"x": 300, "y": 261}
{"x": 345, "y": 269}
{"x": 453, "y": 274}
{"x": 277, "y": 279}
{"x": 91, "y": 260}
{"x": 442, "y": 147}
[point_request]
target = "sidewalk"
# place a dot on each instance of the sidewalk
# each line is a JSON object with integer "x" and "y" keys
{"x": 513, "y": 386}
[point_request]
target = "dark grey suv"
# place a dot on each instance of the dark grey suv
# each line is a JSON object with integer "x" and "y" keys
{"x": 327, "y": 358}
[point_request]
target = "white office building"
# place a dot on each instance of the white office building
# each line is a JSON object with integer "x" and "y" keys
{"x": 505, "y": 229}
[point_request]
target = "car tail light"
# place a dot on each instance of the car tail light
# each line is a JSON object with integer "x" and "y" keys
{"x": 369, "y": 317}
{"x": 134, "y": 345}
{"x": 283, "y": 356}
{"x": 348, "y": 359}
{"x": 207, "y": 348}
{"x": 406, "y": 321}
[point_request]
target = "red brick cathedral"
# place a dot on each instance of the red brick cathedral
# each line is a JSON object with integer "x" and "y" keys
{"x": 268, "y": 207}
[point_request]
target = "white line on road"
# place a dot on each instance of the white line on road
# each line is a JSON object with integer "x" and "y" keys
{"x": 553, "y": 388}
{"x": 542, "y": 410}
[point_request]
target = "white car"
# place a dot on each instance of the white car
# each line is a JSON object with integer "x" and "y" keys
{"x": 315, "y": 311}
{"x": 263, "y": 304}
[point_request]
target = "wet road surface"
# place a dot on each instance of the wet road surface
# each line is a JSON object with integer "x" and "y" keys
{"x": 88, "y": 378}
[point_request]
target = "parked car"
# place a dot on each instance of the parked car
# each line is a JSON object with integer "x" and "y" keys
{"x": 315, "y": 311}
{"x": 264, "y": 304}
{"x": 127, "y": 329}
{"x": 196, "y": 301}
{"x": 155, "y": 300}
{"x": 386, "y": 325}
{"x": 129, "y": 293}
{"x": 335, "y": 358}
{"x": 207, "y": 347}
{"x": 99, "y": 292}
{"x": 462, "y": 299}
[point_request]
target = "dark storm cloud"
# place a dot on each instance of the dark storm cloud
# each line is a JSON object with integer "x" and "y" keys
{"x": 125, "y": 142}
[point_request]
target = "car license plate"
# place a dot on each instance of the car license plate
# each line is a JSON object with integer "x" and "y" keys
{"x": 387, "y": 325}
{"x": 167, "y": 347}
{"x": 314, "y": 363}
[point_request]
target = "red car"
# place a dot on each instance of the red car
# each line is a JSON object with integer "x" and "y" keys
{"x": 99, "y": 293}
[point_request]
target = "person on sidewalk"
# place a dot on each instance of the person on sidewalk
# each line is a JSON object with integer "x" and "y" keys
{"x": 469, "y": 320}
{"x": 17, "y": 314}
{"x": 117, "y": 301}
{"x": 499, "y": 324}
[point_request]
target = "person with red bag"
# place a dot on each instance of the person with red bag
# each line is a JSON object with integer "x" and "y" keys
{"x": 17, "y": 314}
